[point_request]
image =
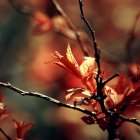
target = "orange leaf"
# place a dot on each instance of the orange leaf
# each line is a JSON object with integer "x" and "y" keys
{"x": 43, "y": 23}
{"x": 77, "y": 94}
{"x": 88, "y": 120}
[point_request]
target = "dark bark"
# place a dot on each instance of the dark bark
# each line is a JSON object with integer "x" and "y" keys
{"x": 113, "y": 132}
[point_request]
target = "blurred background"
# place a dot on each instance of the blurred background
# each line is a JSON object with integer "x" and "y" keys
{"x": 25, "y": 53}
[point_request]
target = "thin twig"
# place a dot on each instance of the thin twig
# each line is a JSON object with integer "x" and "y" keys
{"x": 132, "y": 120}
{"x": 109, "y": 79}
{"x": 5, "y": 135}
{"x": 99, "y": 96}
{"x": 97, "y": 59}
{"x": 47, "y": 98}
{"x": 91, "y": 30}
{"x": 72, "y": 26}
{"x": 97, "y": 55}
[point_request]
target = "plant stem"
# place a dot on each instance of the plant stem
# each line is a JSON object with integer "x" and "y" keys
{"x": 5, "y": 135}
{"x": 72, "y": 27}
{"x": 113, "y": 134}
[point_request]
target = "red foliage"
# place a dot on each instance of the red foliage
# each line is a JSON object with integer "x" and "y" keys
{"x": 21, "y": 129}
{"x": 125, "y": 93}
{"x": 3, "y": 108}
{"x": 43, "y": 23}
{"x": 85, "y": 72}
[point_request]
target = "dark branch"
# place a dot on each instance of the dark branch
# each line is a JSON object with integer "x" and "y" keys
{"x": 5, "y": 135}
{"x": 97, "y": 56}
{"x": 109, "y": 79}
{"x": 132, "y": 120}
{"x": 97, "y": 59}
{"x": 47, "y": 98}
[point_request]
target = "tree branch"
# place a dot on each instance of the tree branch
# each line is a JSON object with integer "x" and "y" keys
{"x": 132, "y": 120}
{"x": 72, "y": 27}
{"x": 109, "y": 79}
{"x": 97, "y": 55}
{"x": 5, "y": 135}
{"x": 98, "y": 78}
{"x": 47, "y": 98}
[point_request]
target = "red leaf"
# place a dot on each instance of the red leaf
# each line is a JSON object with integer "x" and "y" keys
{"x": 22, "y": 128}
{"x": 85, "y": 72}
{"x": 88, "y": 120}
{"x": 42, "y": 23}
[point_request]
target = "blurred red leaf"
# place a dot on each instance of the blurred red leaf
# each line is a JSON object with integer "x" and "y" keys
{"x": 88, "y": 120}
{"x": 22, "y": 129}
{"x": 134, "y": 72}
{"x": 43, "y": 23}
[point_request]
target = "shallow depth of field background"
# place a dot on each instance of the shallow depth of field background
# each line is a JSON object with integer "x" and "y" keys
{"x": 23, "y": 58}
